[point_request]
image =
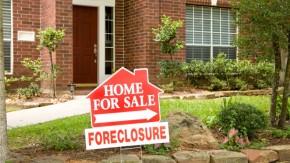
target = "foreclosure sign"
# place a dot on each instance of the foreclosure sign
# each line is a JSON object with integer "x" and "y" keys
{"x": 125, "y": 112}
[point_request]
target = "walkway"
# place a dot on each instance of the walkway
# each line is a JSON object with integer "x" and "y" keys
{"x": 80, "y": 105}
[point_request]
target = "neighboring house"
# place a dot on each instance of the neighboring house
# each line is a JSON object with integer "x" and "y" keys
{"x": 103, "y": 35}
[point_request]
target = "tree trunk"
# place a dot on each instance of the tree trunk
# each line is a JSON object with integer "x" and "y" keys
{"x": 276, "y": 78}
{"x": 3, "y": 121}
{"x": 284, "y": 109}
{"x": 52, "y": 80}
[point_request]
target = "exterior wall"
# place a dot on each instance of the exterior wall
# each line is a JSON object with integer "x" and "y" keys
{"x": 26, "y": 17}
{"x": 119, "y": 34}
{"x": 139, "y": 18}
{"x": 134, "y": 20}
{"x": 64, "y": 53}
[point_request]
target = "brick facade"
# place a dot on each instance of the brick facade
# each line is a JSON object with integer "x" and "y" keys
{"x": 26, "y": 17}
{"x": 134, "y": 20}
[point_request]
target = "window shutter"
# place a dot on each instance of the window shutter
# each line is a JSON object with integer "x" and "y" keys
{"x": 7, "y": 34}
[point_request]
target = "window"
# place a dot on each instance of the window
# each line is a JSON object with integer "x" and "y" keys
{"x": 109, "y": 40}
{"x": 209, "y": 31}
{"x": 7, "y": 30}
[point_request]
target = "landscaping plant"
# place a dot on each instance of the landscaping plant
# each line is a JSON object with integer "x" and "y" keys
{"x": 265, "y": 28}
{"x": 234, "y": 142}
{"x": 220, "y": 74}
{"x": 166, "y": 35}
{"x": 50, "y": 38}
{"x": 243, "y": 117}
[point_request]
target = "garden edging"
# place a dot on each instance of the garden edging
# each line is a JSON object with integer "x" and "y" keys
{"x": 270, "y": 154}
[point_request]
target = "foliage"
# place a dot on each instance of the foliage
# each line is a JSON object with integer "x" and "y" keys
{"x": 265, "y": 29}
{"x": 157, "y": 149}
{"x": 243, "y": 117}
{"x": 220, "y": 74}
{"x": 61, "y": 140}
{"x": 28, "y": 92}
{"x": 278, "y": 133}
{"x": 38, "y": 74}
{"x": 50, "y": 38}
{"x": 165, "y": 34}
{"x": 30, "y": 136}
{"x": 259, "y": 20}
{"x": 234, "y": 142}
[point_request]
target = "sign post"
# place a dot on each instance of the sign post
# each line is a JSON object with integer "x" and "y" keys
{"x": 125, "y": 112}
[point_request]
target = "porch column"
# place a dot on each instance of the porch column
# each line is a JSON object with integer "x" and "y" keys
{"x": 58, "y": 14}
{"x": 101, "y": 56}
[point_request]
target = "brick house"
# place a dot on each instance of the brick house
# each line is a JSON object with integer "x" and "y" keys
{"x": 103, "y": 35}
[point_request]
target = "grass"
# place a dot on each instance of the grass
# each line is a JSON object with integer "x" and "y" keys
{"x": 68, "y": 133}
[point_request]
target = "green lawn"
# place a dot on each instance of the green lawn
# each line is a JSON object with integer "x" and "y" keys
{"x": 51, "y": 134}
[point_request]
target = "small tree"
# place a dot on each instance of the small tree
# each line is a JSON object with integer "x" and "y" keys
{"x": 50, "y": 38}
{"x": 265, "y": 25}
{"x": 165, "y": 35}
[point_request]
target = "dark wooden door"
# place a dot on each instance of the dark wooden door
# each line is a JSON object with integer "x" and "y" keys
{"x": 85, "y": 31}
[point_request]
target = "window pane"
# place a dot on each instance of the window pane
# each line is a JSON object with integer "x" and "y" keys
{"x": 206, "y": 25}
{"x": 206, "y": 13}
{"x": 197, "y": 24}
{"x": 197, "y": 53}
{"x": 109, "y": 27}
{"x": 108, "y": 68}
{"x": 198, "y": 12}
{"x": 216, "y": 14}
{"x": 216, "y": 38}
{"x": 189, "y": 37}
{"x": 206, "y": 38}
{"x": 225, "y": 14}
{"x": 224, "y": 39}
{"x": 109, "y": 40}
{"x": 224, "y": 26}
{"x": 109, "y": 54}
{"x": 7, "y": 55}
{"x": 198, "y": 37}
{"x": 229, "y": 51}
{"x": 216, "y": 26}
{"x": 109, "y": 13}
{"x": 7, "y": 34}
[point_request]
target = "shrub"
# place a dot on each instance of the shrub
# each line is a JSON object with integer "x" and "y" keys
{"x": 217, "y": 84}
{"x": 28, "y": 92}
{"x": 243, "y": 117}
{"x": 220, "y": 74}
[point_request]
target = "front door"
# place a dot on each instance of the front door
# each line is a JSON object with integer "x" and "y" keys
{"x": 85, "y": 43}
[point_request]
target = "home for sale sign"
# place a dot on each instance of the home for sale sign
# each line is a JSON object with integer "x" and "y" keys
{"x": 125, "y": 112}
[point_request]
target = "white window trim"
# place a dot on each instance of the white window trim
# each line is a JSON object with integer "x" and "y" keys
{"x": 101, "y": 4}
{"x": 212, "y": 45}
{"x": 11, "y": 45}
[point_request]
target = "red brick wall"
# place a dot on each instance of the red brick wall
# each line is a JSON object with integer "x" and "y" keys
{"x": 139, "y": 18}
{"x": 119, "y": 34}
{"x": 25, "y": 18}
{"x": 64, "y": 53}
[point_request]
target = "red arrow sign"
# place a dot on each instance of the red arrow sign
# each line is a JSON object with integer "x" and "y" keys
{"x": 125, "y": 98}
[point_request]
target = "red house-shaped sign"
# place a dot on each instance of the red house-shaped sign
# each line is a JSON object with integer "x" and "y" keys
{"x": 125, "y": 98}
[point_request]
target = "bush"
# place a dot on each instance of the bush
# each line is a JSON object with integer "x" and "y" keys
{"x": 221, "y": 74}
{"x": 28, "y": 92}
{"x": 243, "y": 117}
